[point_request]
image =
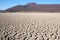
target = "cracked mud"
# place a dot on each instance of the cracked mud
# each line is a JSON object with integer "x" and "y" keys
{"x": 29, "y": 26}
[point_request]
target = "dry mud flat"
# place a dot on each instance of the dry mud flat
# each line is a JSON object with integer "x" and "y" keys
{"x": 30, "y": 26}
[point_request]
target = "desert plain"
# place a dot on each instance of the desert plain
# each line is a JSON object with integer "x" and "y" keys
{"x": 29, "y": 26}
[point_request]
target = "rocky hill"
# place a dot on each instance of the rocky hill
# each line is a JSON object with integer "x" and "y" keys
{"x": 33, "y": 7}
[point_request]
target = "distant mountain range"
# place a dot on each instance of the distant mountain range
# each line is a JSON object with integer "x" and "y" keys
{"x": 0, "y": 10}
{"x": 33, "y": 7}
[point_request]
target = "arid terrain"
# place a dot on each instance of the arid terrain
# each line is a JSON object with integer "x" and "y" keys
{"x": 29, "y": 26}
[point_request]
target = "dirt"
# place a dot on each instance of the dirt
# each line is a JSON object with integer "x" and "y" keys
{"x": 30, "y": 26}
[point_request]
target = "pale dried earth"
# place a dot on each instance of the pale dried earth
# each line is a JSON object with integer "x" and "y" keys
{"x": 30, "y": 26}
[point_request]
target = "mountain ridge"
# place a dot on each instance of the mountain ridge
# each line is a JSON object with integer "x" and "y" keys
{"x": 33, "y": 7}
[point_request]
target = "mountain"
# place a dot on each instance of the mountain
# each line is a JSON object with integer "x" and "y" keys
{"x": 33, "y": 7}
{"x": 15, "y": 8}
{"x": 0, "y": 10}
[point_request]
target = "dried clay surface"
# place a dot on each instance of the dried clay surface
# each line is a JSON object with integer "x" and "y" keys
{"x": 30, "y": 26}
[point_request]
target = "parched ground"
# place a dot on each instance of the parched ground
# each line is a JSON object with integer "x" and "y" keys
{"x": 30, "y": 26}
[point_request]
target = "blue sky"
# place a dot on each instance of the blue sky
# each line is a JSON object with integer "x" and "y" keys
{"x": 4, "y": 4}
